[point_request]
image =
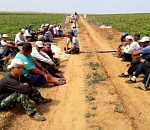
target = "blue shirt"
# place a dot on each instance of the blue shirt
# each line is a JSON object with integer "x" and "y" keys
{"x": 29, "y": 60}
{"x": 145, "y": 51}
{"x": 75, "y": 32}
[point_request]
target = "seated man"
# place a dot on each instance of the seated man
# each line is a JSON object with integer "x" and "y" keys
{"x": 39, "y": 76}
{"x": 43, "y": 58}
{"x": 131, "y": 45}
{"x": 47, "y": 34}
{"x": 145, "y": 85}
{"x": 74, "y": 44}
{"x": 30, "y": 34}
{"x": 16, "y": 88}
{"x": 142, "y": 52}
{"x": 20, "y": 38}
{"x": 7, "y": 47}
{"x": 47, "y": 49}
{"x": 120, "y": 49}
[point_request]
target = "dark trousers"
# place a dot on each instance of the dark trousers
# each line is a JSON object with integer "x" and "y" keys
{"x": 141, "y": 69}
{"x": 49, "y": 68}
{"x": 9, "y": 50}
{"x": 127, "y": 57}
{"x": 146, "y": 80}
{"x": 75, "y": 50}
{"x": 133, "y": 67}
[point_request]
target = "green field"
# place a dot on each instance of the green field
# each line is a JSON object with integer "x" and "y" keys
{"x": 131, "y": 23}
{"x": 11, "y": 23}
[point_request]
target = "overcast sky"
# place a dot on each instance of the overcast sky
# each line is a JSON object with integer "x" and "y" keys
{"x": 81, "y": 6}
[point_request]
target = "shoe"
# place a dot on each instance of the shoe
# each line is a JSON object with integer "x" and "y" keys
{"x": 38, "y": 117}
{"x": 44, "y": 100}
{"x": 142, "y": 86}
{"x": 123, "y": 75}
{"x": 130, "y": 81}
{"x": 57, "y": 71}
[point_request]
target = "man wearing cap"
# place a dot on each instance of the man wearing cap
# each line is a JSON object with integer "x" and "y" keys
{"x": 119, "y": 49}
{"x": 20, "y": 38}
{"x": 51, "y": 30}
{"x": 30, "y": 34}
{"x": 56, "y": 33}
{"x": 34, "y": 70}
{"x": 131, "y": 45}
{"x": 43, "y": 58}
{"x": 73, "y": 42}
{"x": 47, "y": 34}
{"x": 16, "y": 88}
{"x": 47, "y": 49}
{"x": 143, "y": 65}
{"x": 141, "y": 52}
{"x": 75, "y": 32}
{"x": 7, "y": 46}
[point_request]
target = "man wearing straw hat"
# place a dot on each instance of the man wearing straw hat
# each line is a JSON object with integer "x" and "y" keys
{"x": 7, "y": 47}
{"x": 20, "y": 38}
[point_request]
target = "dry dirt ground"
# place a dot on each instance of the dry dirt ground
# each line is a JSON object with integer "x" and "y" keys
{"x": 116, "y": 105}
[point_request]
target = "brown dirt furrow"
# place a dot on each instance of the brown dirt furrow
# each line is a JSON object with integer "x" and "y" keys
{"x": 135, "y": 101}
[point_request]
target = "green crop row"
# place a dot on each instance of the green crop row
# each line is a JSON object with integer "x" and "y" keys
{"x": 11, "y": 23}
{"x": 131, "y": 23}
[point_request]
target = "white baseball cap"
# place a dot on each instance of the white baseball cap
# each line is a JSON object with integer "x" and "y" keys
{"x": 144, "y": 39}
{"x": 46, "y": 24}
{"x": 129, "y": 37}
{"x": 51, "y": 26}
{"x": 15, "y": 63}
{"x": 39, "y": 44}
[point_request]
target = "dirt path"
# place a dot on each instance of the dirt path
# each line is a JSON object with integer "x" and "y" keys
{"x": 136, "y": 102}
{"x": 69, "y": 106}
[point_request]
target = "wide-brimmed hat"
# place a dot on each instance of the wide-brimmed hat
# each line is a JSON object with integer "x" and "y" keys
{"x": 40, "y": 38}
{"x": 5, "y": 35}
{"x": 16, "y": 63}
{"x": 39, "y": 44}
{"x": 144, "y": 39}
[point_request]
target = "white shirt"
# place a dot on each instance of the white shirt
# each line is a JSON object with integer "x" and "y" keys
{"x": 73, "y": 41}
{"x": 56, "y": 31}
{"x": 42, "y": 56}
{"x": 19, "y": 38}
{"x": 128, "y": 49}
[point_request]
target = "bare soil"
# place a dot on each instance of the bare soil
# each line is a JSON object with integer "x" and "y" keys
{"x": 117, "y": 105}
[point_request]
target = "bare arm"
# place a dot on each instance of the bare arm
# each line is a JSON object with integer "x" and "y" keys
{"x": 135, "y": 52}
{"x": 40, "y": 66}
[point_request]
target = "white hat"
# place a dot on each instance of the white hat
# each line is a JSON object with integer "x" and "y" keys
{"x": 23, "y": 30}
{"x": 40, "y": 38}
{"x": 129, "y": 37}
{"x": 5, "y": 35}
{"x": 51, "y": 26}
{"x": 42, "y": 25}
{"x": 15, "y": 63}
{"x": 73, "y": 26}
{"x": 144, "y": 39}
{"x": 39, "y": 44}
{"x": 46, "y": 24}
